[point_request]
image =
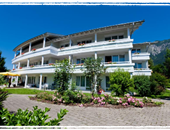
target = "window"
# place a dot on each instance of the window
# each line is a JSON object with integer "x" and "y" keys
{"x": 89, "y": 41}
{"x": 67, "y": 45}
{"x": 107, "y": 38}
{"x": 82, "y": 60}
{"x": 138, "y": 50}
{"x": 133, "y": 51}
{"x": 115, "y": 58}
{"x": 108, "y": 58}
{"x": 121, "y": 37}
{"x": 82, "y": 81}
{"x": 139, "y": 65}
{"x": 121, "y": 57}
{"x": 77, "y": 80}
{"x": 107, "y": 82}
{"x": 114, "y": 37}
{"x": 78, "y": 61}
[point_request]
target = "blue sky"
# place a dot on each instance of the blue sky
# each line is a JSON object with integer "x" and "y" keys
{"x": 20, "y": 23}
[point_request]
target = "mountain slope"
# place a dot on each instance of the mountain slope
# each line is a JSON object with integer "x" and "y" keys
{"x": 158, "y": 51}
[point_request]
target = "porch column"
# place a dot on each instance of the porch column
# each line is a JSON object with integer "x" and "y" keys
{"x": 42, "y": 61}
{"x": 69, "y": 59}
{"x": 128, "y": 33}
{"x": 18, "y": 65}
{"x": 40, "y": 85}
{"x": 130, "y": 56}
{"x": 13, "y": 66}
{"x": 95, "y": 37}
{"x": 20, "y": 51}
{"x": 26, "y": 79}
{"x": 30, "y": 47}
{"x": 17, "y": 81}
{"x": 44, "y": 42}
{"x": 28, "y": 62}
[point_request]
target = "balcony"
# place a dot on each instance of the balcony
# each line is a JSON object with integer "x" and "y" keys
{"x": 141, "y": 56}
{"x": 142, "y": 71}
{"x": 49, "y": 68}
{"x": 98, "y": 46}
{"x": 37, "y": 52}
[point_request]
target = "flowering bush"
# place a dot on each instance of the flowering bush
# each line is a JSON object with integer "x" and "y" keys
{"x": 81, "y": 44}
{"x": 32, "y": 66}
{"x": 61, "y": 48}
{"x": 79, "y": 64}
{"x": 51, "y": 64}
{"x": 147, "y": 100}
{"x": 110, "y": 62}
{"x": 33, "y": 49}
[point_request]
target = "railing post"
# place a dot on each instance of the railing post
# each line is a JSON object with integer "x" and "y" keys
{"x": 69, "y": 59}
{"x": 13, "y": 66}
{"x": 42, "y": 61}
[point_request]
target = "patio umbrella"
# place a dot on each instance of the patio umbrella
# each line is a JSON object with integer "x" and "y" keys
{"x": 9, "y": 74}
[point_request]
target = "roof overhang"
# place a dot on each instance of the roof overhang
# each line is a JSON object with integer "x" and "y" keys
{"x": 47, "y": 34}
{"x": 131, "y": 25}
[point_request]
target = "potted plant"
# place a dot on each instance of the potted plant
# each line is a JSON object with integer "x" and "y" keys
{"x": 32, "y": 66}
{"x": 23, "y": 53}
{"x": 61, "y": 48}
{"x": 33, "y": 49}
{"x": 20, "y": 67}
{"x": 13, "y": 69}
{"x": 51, "y": 64}
{"x": 110, "y": 62}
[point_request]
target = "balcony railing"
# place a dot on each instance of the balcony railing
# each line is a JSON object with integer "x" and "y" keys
{"x": 138, "y": 53}
{"x": 138, "y": 69}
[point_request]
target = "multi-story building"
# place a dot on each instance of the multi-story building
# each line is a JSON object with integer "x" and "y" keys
{"x": 34, "y": 58}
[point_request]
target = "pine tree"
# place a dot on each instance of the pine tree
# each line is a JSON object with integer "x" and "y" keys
{"x": 2, "y": 63}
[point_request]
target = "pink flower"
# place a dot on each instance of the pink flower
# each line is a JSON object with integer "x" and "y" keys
{"x": 99, "y": 100}
{"x": 81, "y": 105}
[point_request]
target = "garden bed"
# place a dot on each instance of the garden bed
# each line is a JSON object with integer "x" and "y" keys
{"x": 107, "y": 105}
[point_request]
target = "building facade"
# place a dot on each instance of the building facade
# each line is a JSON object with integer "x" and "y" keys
{"x": 35, "y": 57}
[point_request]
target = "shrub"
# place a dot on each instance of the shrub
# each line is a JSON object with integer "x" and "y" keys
{"x": 147, "y": 100}
{"x": 36, "y": 117}
{"x": 142, "y": 85}
{"x": 2, "y": 80}
{"x": 158, "y": 103}
{"x": 120, "y": 82}
{"x": 160, "y": 79}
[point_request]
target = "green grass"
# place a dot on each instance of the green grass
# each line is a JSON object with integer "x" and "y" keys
{"x": 26, "y": 91}
{"x": 165, "y": 94}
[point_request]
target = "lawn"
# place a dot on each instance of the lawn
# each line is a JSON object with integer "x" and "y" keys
{"x": 25, "y": 91}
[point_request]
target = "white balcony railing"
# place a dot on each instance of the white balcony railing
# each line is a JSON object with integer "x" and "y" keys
{"x": 138, "y": 69}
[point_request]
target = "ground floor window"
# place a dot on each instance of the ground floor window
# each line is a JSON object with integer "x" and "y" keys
{"x": 44, "y": 79}
{"x": 138, "y": 65}
{"x": 31, "y": 80}
{"x": 80, "y": 81}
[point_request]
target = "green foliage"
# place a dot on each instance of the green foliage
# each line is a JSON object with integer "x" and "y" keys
{"x": 3, "y": 96}
{"x": 142, "y": 85}
{"x": 37, "y": 117}
{"x": 2, "y": 63}
{"x": 160, "y": 79}
{"x": 91, "y": 68}
{"x": 120, "y": 82}
{"x": 167, "y": 63}
{"x": 159, "y": 68}
{"x": 158, "y": 103}
{"x": 62, "y": 74}
{"x": 151, "y": 64}
{"x": 2, "y": 81}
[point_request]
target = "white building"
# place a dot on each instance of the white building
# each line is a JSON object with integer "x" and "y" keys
{"x": 111, "y": 43}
